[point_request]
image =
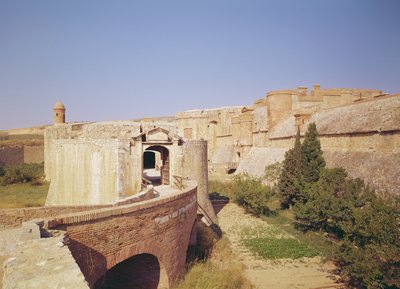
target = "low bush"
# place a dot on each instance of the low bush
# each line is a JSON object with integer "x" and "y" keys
{"x": 24, "y": 173}
{"x": 370, "y": 253}
{"x": 367, "y": 225}
{"x": 223, "y": 189}
{"x": 328, "y": 203}
{"x": 250, "y": 193}
{"x": 272, "y": 173}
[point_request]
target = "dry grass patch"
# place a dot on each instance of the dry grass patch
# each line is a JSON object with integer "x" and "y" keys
{"x": 216, "y": 276}
{"x": 218, "y": 268}
{"x": 23, "y": 195}
{"x": 23, "y": 139}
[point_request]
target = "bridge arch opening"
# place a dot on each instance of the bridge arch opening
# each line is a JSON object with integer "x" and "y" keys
{"x": 142, "y": 271}
{"x": 156, "y": 166}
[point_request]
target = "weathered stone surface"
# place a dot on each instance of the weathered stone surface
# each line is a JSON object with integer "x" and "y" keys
{"x": 380, "y": 170}
{"x": 259, "y": 158}
{"x": 377, "y": 115}
{"x": 43, "y": 263}
{"x": 8, "y": 241}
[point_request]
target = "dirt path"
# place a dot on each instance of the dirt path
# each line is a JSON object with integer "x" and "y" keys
{"x": 281, "y": 274}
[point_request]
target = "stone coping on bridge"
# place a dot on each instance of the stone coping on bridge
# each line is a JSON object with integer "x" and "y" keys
{"x": 32, "y": 229}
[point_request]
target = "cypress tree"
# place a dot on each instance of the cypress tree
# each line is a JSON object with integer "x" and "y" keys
{"x": 289, "y": 185}
{"x": 312, "y": 160}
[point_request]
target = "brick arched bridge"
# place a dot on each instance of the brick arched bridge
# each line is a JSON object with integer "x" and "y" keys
{"x": 138, "y": 243}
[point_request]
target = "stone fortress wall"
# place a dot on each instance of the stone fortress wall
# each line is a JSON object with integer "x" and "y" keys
{"x": 359, "y": 130}
{"x": 15, "y": 155}
{"x": 99, "y": 163}
{"x": 17, "y": 152}
{"x": 102, "y": 162}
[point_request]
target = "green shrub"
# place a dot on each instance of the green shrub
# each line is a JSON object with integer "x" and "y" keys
{"x": 290, "y": 183}
{"x": 370, "y": 266}
{"x": 328, "y": 200}
{"x": 24, "y": 173}
{"x": 223, "y": 189}
{"x": 328, "y": 204}
{"x": 312, "y": 160}
{"x": 369, "y": 256}
{"x": 250, "y": 193}
{"x": 272, "y": 173}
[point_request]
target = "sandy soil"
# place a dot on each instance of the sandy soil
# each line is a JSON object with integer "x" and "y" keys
{"x": 281, "y": 274}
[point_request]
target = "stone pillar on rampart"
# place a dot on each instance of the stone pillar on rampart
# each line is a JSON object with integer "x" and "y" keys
{"x": 195, "y": 166}
{"x": 59, "y": 113}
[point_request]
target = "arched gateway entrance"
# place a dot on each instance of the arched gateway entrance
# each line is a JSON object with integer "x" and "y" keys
{"x": 158, "y": 150}
{"x": 156, "y": 165}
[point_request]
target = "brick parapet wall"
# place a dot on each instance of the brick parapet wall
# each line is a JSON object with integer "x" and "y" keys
{"x": 10, "y": 218}
{"x": 65, "y": 220}
{"x": 101, "y": 238}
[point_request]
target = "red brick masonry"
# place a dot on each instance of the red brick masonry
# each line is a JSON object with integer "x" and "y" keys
{"x": 101, "y": 238}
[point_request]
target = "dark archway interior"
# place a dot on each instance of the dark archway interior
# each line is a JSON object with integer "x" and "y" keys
{"x": 149, "y": 160}
{"x": 164, "y": 169}
{"x": 138, "y": 272}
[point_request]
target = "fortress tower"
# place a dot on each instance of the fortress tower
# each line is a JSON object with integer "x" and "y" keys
{"x": 59, "y": 112}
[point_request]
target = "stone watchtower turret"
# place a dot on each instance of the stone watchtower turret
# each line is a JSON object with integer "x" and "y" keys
{"x": 59, "y": 112}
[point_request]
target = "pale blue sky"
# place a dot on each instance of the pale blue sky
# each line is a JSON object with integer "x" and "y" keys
{"x": 111, "y": 60}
